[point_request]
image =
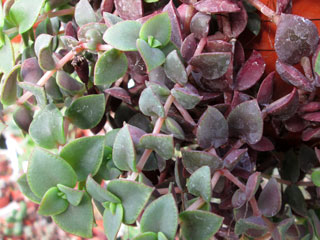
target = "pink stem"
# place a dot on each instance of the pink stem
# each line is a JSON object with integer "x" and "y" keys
{"x": 265, "y": 10}
{"x": 166, "y": 190}
{"x": 185, "y": 114}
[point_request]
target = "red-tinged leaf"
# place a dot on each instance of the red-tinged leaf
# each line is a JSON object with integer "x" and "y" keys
{"x": 232, "y": 159}
{"x": 252, "y": 185}
{"x": 285, "y": 107}
{"x": 270, "y": 199}
{"x": 200, "y": 25}
{"x": 265, "y": 92}
{"x": 293, "y": 76}
{"x": 188, "y": 47}
{"x": 129, "y": 9}
{"x": 238, "y": 199}
{"x": 239, "y": 56}
{"x": 176, "y": 33}
{"x": 106, "y": 6}
{"x": 218, "y": 46}
{"x": 310, "y": 107}
{"x": 264, "y": 145}
{"x": 295, "y": 124}
{"x": 31, "y": 71}
{"x": 239, "y": 97}
{"x": 310, "y": 133}
{"x": 284, "y": 6}
{"x": 251, "y": 72}
{"x": 216, "y": 6}
{"x": 119, "y": 93}
{"x": 238, "y": 21}
{"x": 317, "y": 151}
{"x": 313, "y": 117}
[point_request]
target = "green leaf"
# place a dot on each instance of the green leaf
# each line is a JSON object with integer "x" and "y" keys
{"x": 172, "y": 127}
{"x": 52, "y": 204}
{"x": 111, "y": 66}
{"x": 199, "y": 183}
{"x": 153, "y": 57}
{"x": 84, "y": 13}
{"x": 77, "y": 220}
{"x": 315, "y": 177}
{"x": 86, "y": 112}
{"x": 199, "y": 224}
{"x": 26, "y": 190}
{"x": 317, "y": 64}
{"x": 134, "y": 196}
{"x": 46, "y": 170}
{"x": 158, "y": 27}
{"x": 160, "y": 143}
{"x": 174, "y": 68}
{"x": 186, "y": 97}
{"x": 253, "y": 227}
{"x": 192, "y": 160}
{"x": 111, "y": 19}
{"x": 161, "y": 236}
{"x": 150, "y": 104}
{"x": 37, "y": 91}
{"x": 69, "y": 84}
{"x": 161, "y": 216}
{"x": 84, "y": 155}
{"x": 123, "y": 35}
{"x": 160, "y": 90}
{"x": 43, "y": 50}
{"x": 147, "y": 236}
{"x": 124, "y": 153}
{"x": 6, "y": 52}
{"x": 98, "y": 193}
{"x": 9, "y": 86}
{"x": 295, "y": 199}
{"x": 73, "y": 196}
{"x": 112, "y": 221}
{"x": 46, "y": 129}
{"x": 25, "y": 13}
{"x": 151, "y": 1}
{"x": 254, "y": 23}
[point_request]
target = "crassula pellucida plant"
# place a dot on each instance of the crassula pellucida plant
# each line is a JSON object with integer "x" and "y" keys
{"x": 187, "y": 140}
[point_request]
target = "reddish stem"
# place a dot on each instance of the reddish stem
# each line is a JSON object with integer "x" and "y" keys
{"x": 265, "y": 10}
{"x": 185, "y": 114}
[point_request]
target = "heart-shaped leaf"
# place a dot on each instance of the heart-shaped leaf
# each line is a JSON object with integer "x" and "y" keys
{"x": 216, "y": 6}
{"x": 26, "y": 19}
{"x": 159, "y": 27}
{"x": 112, "y": 220}
{"x": 111, "y": 66}
{"x": 86, "y": 112}
{"x": 150, "y": 104}
{"x": 98, "y": 193}
{"x": 199, "y": 25}
{"x": 73, "y": 196}
{"x": 245, "y": 121}
{"x": 160, "y": 90}
{"x": 123, "y": 35}
{"x": 252, "y": 185}
{"x": 9, "y": 86}
{"x": 264, "y": 145}
{"x": 199, "y": 224}
{"x": 52, "y": 204}
{"x": 188, "y": 97}
{"x": 295, "y": 199}
{"x": 175, "y": 69}
{"x": 31, "y": 71}
{"x": 252, "y": 226}
{"x": 124, "y": 153}
{"x": 188, "y": 47}
{"x": 129, "y": 9}
{"x": 46, "y": 170}
{"x": 152, "y": 57}
{"x": 199, "y": 183}
{"x": 212, "y": 129}
{"x": 212, "y": 65}
{"x": 46, "y": 129}
{"x": 69, "y": 84}
{"x": 161, "y": 216}
{"x": 250, "y": 72}
{"x": 192, "y": 160}
{"x": 270, "y": 199}
{"x": 77, "y": 220}
{"x": 134, "y": 196}
{"x": 84, "y": 13}
{"x": 43, "y": 50}
{"x": 160, "y": 143}
{"x": 84, "y": 155}
{"x": 37, "y": 91}
{"x": 26, "y": 190}
{"x": 23, "y": 117}
{"x": 172, "y": 127}
{"x": 265, "y": 92}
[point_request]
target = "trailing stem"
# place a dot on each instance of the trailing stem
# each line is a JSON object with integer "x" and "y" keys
{"x": 265, "y": 10}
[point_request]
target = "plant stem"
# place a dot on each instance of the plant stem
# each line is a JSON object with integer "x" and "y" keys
{"x": 52, "y": 14}
{"x": 185, "y": 114}
{"x": 166, "y": 190}
{"x": 69, "y": 56}
{"x": 265, "y": 10}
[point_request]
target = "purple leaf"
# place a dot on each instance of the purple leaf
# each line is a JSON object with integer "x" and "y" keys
{"x": 188, "y": 47}
{"x": 212, "y": 65}
{"x": 216, "y": 6}
{"x": 284, "y": 6}
{"x": 106, "y": 6}
{"x": 245, "y": 121}
{"x": 264, "y": 145}
{"x": 200, "y": 25}
{"x": 218, "y": 46}
{"x": 310, "y": 107}
{"x": 252, "y": 185}
{"x": 238, "y": 21}
{"x": 119, "y": 93}
{"x": 310, "y": 133}
{"x": 176, "y": 33}
{"x": 233, "y": 158}
{"x": 31, "y": 71}
{"x": 293, "y": 76}
{"x": 212, "y": 129}
{"x": 239, "y": 97}
{"x": 250, "y": 72}
{"x": 70, "y": 30}
{"x": 238, "y": 199}
{"x": 129, "y": 9}
{"x": 295, "y": 124}
{"x": 270, "y": 199}
{"x": 285, "y": 107}
{"x": 265, "y": 92}
{"x": 313, "y": 117}
{"x": 239, "y": 56}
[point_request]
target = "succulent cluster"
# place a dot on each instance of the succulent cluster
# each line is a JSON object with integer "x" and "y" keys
{"x": 186, "y": 138}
